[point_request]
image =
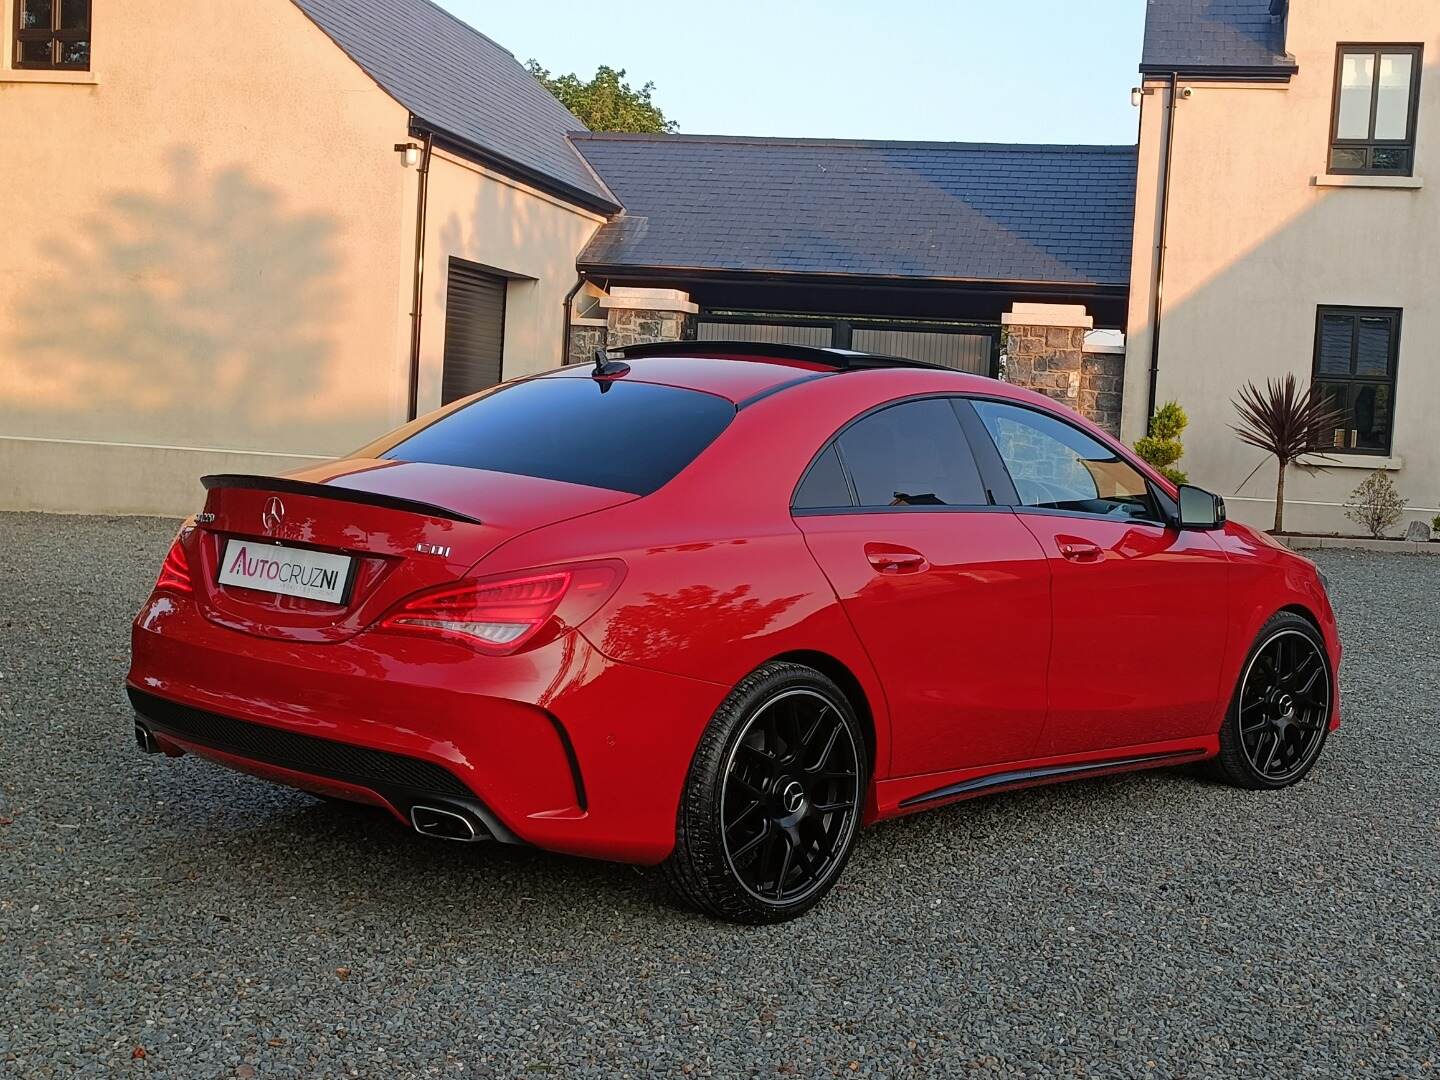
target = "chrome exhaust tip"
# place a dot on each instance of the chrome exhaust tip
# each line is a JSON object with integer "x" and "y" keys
{"x": 144, "y": 740}
{"x": 445, "y": 824}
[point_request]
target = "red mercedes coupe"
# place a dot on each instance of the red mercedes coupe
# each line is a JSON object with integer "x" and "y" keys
{"x": 715, "y": 606}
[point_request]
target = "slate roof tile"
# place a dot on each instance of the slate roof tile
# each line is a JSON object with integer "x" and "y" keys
{"x": 968, "y": 211}
{"x": 1191, "y": 35}
{"x": 455, "y": 79}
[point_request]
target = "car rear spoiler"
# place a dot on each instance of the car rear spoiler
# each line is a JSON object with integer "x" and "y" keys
{"x": 219, "y": 481}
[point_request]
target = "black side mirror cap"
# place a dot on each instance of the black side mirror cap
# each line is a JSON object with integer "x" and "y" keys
{"x": 1200, "y": 509}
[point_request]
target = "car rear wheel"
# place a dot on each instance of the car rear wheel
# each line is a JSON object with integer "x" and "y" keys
{"x": 1280, "y": 716}
{"x": 773, "y": 798}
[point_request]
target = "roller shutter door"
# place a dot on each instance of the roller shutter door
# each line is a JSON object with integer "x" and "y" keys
{"x": 474, "y": 330}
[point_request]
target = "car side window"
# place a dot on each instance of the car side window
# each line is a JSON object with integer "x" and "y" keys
{"x": 1058, "y": 467}
{"x": 825, "y": 484}
{"x": 911, "y": 454}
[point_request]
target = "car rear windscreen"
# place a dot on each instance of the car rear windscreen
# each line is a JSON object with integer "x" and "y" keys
{"x": 621, "y": 436}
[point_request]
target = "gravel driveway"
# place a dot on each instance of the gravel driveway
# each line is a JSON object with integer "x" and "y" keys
{"x": 174, "y": 918}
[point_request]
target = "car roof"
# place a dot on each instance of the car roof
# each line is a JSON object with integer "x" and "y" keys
{"x": 745, "y": 371}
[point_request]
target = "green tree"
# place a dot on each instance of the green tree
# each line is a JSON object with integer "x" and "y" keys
{"x": 1162, "y": 447}
{"x": 607, "y": 102}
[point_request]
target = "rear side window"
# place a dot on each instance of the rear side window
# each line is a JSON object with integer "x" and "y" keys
{"x": 912, "y": 454}
{"x": 824, "y": 485}
{"x": 622, "y": 436}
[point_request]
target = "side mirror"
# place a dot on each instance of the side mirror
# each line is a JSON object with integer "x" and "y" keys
{"x": 1199, "y": 509}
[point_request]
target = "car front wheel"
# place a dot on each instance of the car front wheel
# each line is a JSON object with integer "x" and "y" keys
{"x": 1280, "y": 716}
{"x": 773, "y": 798}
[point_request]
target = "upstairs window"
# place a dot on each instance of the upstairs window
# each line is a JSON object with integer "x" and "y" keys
{"x": 1377, "y": 91}
{"x": 52, "y": 34}
{"x": 1355, "y": 356}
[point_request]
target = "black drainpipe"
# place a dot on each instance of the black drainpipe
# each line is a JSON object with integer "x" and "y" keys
{"x": 417, "y": 301}
{"x": 569, "y": 299}
{"x": 1160, "y": 259}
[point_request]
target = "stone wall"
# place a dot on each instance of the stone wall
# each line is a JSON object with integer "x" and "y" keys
{"x": 585, "y": 338}
{"x": 1048, "y": 359}
{"x": 636, "y": 326}
{"x": 1102, "y": 377}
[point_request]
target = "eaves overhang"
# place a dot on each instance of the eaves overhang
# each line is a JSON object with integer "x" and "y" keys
{"x": 462, "y": 147}
{"x": 633, "y": 272}
{"x": 1269, "y": 73}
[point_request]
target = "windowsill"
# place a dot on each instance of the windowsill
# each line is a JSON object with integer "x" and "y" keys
{"x": 1341, "y": 460}
{"x": 41, "y": 75}
{"x": 1346, "y": 180}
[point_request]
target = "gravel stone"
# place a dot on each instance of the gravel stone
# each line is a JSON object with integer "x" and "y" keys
{"x": 172, "y": 918}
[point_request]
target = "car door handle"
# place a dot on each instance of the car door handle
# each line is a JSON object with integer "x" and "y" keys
{"x": 1077, "y": 550}
{"x": 893, "y": 559}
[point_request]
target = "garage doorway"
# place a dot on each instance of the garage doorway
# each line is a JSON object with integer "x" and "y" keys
{"x": 474, "y": 331}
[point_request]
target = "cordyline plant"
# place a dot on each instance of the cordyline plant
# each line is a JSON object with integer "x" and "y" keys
{"x": 1285, "y": 422}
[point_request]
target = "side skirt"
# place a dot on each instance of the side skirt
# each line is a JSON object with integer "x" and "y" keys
{"x": 914, "y": 793}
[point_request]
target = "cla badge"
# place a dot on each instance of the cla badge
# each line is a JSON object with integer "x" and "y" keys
{"x": 273, "y": 514}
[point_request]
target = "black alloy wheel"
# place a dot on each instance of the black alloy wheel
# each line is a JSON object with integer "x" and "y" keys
{"x": 790, "y": 796}
{"x": 773, "y": 800}
{"x": 1280, "y": 717}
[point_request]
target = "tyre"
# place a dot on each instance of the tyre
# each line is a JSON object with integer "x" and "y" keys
{"x": 773, "y": 798}
{"x": 1279, "y": 717}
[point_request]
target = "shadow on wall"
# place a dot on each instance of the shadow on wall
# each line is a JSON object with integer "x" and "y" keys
{"x": 1253, "y": 319}
{"x": 525, "y": 239}
{"x": 205, "y": 308}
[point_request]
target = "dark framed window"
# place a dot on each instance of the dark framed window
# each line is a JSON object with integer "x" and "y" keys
{"x": 1356, "y": 354}
{"x": 52, "y": 34}
{"x": 1058, "y": 467}
{"x": 912, "y": 454}
{"x": 1377, "y": 94}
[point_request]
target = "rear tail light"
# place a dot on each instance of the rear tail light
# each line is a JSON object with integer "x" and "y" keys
{"x": 175, "y": 570}
{"x": 502, "y": 615}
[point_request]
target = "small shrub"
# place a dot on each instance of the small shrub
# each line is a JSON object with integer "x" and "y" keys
{"x": 1162, "y": 447}
{"x": 1435, "y": 526}
{"x": 1375, "y": 504}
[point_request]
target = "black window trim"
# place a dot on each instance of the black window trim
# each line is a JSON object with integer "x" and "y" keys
{"x": 1157, "y": 496}
{"x": 54, "y": 35}
{"x": 1391, "y": 378}
{"x": 1370, "y": 144}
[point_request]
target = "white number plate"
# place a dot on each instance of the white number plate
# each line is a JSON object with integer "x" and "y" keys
{"x": 292, "y": 571}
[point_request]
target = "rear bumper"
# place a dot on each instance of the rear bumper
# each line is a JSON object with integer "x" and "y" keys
{"x": 559, "y": 747}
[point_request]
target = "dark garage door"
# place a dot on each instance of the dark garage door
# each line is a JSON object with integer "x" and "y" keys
{"x": 474, "y": 330}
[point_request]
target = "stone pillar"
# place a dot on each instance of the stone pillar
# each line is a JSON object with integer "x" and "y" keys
{"x": 1045, "y": 351}
{"x": 1102, "y": 384}
{"x": 637, "y": 316}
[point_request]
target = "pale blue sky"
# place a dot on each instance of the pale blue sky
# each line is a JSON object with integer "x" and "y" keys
{"x": 973, "y": 70}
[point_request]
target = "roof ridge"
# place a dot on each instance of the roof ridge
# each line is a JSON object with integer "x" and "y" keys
{"x": 921, "y": 144}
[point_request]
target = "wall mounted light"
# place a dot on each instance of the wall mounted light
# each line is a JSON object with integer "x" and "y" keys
{"x": 1135, "y": 95}
{"x": 409, "y": 153}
